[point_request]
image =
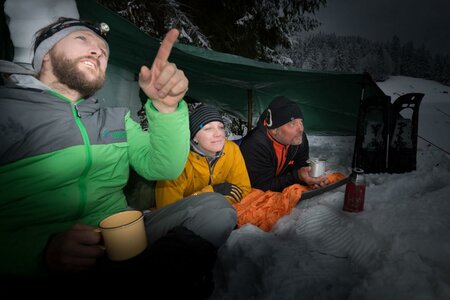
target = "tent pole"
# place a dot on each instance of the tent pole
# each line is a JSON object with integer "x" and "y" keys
{"x": 249, "y": 109}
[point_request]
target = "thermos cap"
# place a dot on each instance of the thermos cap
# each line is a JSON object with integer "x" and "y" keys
{"x": 358, "y": 170}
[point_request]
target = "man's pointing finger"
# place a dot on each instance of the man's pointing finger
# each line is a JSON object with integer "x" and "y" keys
{"x": 167, "y": 44}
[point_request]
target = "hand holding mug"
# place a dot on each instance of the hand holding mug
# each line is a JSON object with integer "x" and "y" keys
{"x": 314, "y": 182}
{"x": 74, "y": 250}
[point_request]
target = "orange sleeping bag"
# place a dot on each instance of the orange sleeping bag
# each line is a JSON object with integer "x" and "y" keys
{"x": 264, "y": 209}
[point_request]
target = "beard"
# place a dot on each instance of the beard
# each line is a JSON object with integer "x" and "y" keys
{"x": 68, "y": 73}
{"x": 297, "y": 140}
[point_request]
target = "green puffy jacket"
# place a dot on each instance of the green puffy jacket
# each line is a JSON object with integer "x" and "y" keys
{"x": 63, "y": 163}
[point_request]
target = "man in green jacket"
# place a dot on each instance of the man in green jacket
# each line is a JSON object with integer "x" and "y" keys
{"x": 64, "y": 160}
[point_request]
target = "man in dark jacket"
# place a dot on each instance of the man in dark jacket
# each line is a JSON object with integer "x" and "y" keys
{"x": 276, "y": 150}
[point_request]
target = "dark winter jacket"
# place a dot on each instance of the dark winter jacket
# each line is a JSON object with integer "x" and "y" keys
{"x": 261, "y": 160}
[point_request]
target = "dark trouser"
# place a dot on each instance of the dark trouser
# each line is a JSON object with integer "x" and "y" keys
{"x": 176, "y": 266}
{"x": 179, "y": 264}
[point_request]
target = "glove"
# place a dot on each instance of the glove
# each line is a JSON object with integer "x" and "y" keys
{"x": 229, "y": 189}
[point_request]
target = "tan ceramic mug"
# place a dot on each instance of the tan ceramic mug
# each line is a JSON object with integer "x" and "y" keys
{"x": 124, "y": 234}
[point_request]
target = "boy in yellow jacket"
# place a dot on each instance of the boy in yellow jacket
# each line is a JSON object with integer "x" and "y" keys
{"x": 214, "y": 163}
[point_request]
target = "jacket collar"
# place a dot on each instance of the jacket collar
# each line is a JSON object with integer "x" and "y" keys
{"x": 200, "y": 151}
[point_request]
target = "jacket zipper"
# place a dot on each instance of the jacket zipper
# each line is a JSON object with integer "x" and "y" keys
{"x": 87, "y": 148}
{"x": 82, "y": 182}
{"x": 76, "y": 109}
{"x": 288, "y": 159}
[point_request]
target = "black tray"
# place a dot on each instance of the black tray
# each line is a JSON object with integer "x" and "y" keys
{"x": 310, "y": 194}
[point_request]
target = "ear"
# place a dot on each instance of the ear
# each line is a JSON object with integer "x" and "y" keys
{"x": 45, "y": 62}
{"x": 46, "y": 57}
{"x": 195, "y": 141}
{"x": 273, "y": 131}
{"x": 46, "y": 65}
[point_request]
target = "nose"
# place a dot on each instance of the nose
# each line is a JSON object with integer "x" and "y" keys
{"x": 300, "y": 127}
{"x": 95, "y": 51}
{"x": 219, "y": 132}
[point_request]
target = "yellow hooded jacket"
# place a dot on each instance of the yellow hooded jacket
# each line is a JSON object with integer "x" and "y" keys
{"x": 197, "y": 176}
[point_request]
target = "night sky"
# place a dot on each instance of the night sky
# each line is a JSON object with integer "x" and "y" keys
{"x": 423, "y": 22}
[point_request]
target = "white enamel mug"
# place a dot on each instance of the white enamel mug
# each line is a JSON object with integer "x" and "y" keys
{"x": 317, "y": 166}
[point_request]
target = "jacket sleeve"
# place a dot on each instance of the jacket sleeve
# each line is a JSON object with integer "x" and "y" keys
{"x": 170, "y": 191}
{"x": 22, "y": 250}
{"x": 238, "y": 174}
{"x": 161, "y": 152}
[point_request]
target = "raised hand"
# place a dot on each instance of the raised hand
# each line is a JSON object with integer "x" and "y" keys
{"x": 164, "y": 83}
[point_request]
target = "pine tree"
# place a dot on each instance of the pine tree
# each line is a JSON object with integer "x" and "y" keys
{"x": 395, "y": 53}
{"x": 423, "y": 62}
{"x": 249, "y": 28}
{"x": 438, "y": 67}
{"x": 446, "y": 72}
{"x": 407, "y": 66}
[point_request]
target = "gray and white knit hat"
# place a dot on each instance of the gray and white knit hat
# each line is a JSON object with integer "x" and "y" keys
{"x": 201, "y": 116}
{"x": 45, "y": 42}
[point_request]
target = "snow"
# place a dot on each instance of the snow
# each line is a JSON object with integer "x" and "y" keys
{"x": 397, "y": 248}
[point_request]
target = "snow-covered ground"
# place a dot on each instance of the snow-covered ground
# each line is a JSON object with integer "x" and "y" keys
{"x": 397, "y": 248}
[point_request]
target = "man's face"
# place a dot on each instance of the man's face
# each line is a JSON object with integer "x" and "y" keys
{"x": 290, "y": 133}
{"x": 79, "y": 61}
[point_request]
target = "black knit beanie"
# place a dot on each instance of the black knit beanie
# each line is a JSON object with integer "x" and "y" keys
{"x": 201, "y": 116}
{"x": 282, "y": 110}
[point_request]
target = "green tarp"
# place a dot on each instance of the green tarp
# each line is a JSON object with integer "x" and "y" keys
{"x": 329, "y": 101}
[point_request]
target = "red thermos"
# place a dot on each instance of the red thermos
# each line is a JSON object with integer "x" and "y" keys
{"x": 355, "y": 191}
